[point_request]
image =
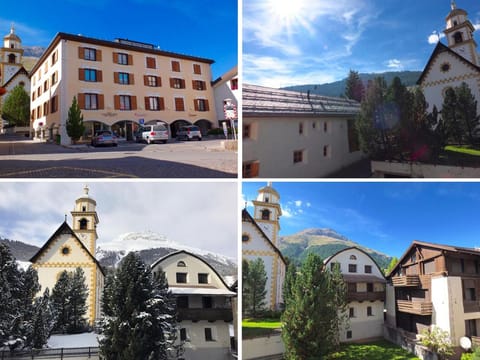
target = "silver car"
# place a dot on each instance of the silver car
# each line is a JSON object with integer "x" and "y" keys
{"x": 189, "y": 132}
{"x": 104, "y": 137}
{"x": 152, "y": 133}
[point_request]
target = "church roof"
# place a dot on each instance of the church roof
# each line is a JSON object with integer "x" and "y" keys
{"x": 259, "y": 100}
{"x": 440, "y": 48}
{"x": 21, "y": 70}
{"x": 64, "y": 228}
{"x": 248, "y": 218}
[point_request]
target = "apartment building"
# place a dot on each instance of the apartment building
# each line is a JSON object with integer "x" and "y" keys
{"x": 366, "y": 293}
{"x": 227, "y": 94}
{"x": 435, "y": 284}
{"x": 204, "y": 306}
{"x": 119, "y": 85}
{"x": 288, "y": 134}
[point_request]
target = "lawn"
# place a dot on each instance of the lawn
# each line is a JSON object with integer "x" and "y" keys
{"x": 260, "y": 327}
{"x": 379, "y": 350}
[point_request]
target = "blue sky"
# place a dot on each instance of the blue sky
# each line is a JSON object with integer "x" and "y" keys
{"x": 206, "y": 28}
{"x": 384, "y": 216}
{"x": 304, "y": 42}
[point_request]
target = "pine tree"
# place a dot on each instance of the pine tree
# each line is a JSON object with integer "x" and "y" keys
{"x": 256, "y": 282}
{"x": 354, "y": 88}
{"x": 246, "y": 291}
{"x": 75, "y": 126}
{"x": 140, "y": 323}
{"x": 43, "y": 321}
{"x": 453, "y": 126}
{"x": 77, "y": 302}
{"x": 467, "y": 112}
{"x": 60, "y": 302}
{"x": 16, "y": 109}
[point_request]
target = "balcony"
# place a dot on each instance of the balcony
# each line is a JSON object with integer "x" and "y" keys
{"x": 204, "y": 314}
{"x": 406, "y": 280}
{"x": 416, "y": 307}
{"x": 366, "y": 296}
{"x": 470, "y": 306}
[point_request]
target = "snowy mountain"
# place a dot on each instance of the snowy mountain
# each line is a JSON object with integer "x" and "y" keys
{"x": 151, "y": 246}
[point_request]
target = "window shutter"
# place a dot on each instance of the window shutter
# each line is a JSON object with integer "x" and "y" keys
{"x": 254, "y": 169}
{"x": 194, "y": 83}
{"x": 101, "y": 102}
{"x": 147, "y": 103}
{"x": 130, "y": 59}
{"x": 145, "y": 80}
{"x": 172, "y": 82}
{"x": 81, "y": 74}
{"x": 161, "y": 103}
{"x": 183, "y": 83}
{"x": 195, "y": 104}
{"x": 81, "y": 101}
{"x": 159, "y": 81}
{"x": 207, "y": 108}
{"x": 116, "y": 78}
{"x": 133, "y": 100}
{"x": 116, "y": 102}
{"x": 99, "y": 76}
{"x": 46, "y": 107}
{"x": 131, "y": 79}
{"x": 99, "y": 55}
{"x": 115, "y": 57}
{"x": 81, "y": 52}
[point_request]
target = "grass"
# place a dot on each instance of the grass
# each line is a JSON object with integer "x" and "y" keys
{"x": 462, "y": 150}
{"x": 260, "y": 327}
{"x": 379, "y": 350}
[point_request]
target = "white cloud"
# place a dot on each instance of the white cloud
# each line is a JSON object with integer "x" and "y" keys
{"x": 298, "y": 203}
{"x": 435, "y": 37}
{"x": 394, "y": 64}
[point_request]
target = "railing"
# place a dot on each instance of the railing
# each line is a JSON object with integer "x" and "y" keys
{"x": 204, "y": 314}
{"x": 70, "y": 353}
{"x": 415, "y": 307}
{"x": 475, "y": 340}
{"x": 471, "y": 306}
{"x": 406, "y": 280}
{"x": 366, "y": 296}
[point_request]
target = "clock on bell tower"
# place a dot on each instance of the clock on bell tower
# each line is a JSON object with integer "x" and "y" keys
{"x": 85, "y": 220}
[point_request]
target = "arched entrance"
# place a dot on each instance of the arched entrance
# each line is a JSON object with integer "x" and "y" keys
{"x": 204, "y": 125}
{"x": 92, "y": 126}
{"x": 174, "y": 126}
{"x": 125, "y": 129}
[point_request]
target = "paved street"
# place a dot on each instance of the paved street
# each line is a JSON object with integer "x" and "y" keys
{"x": 23, "y": 158}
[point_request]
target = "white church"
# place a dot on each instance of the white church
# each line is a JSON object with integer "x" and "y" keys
{"x": 454, "y": 63}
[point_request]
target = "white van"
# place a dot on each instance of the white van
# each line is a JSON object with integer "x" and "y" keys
{"x": 152, "y": 133}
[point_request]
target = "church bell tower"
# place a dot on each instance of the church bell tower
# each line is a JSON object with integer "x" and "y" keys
{"x": 267, "y": 211}
{"x": 459, "y": 33}
{"x": 85, "y": 220}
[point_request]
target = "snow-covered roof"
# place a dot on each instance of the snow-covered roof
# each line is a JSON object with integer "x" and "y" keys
{"x": 200, "y": 291}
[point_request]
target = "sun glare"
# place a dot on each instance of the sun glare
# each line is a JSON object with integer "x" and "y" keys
{"x": 288, "y": 13}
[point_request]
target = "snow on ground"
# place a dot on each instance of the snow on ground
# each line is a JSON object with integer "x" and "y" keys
{"x": 23, "y": 264}
{"x": 73, "y": 341}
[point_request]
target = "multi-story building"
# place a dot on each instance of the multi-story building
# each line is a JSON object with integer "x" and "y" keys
{"x": 435, "y": 285}
{"x": 204, "y": 306}
{"x": 366, "y": 293}
{"x": 118, "y": 85}
{"x": 289, "y": 134}
{"x": 227, "y": 93}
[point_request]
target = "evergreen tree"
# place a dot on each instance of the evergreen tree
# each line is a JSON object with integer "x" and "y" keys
{"x": 140, "y": 323}
{"x": 77, "y": 294}
{"x": 454, "y": 128}
{"x": 75, "y": 126}
{"x": 256, "y": 282}
{"x": 60, "y": 302}
{"x": 391, "y": 265}
{"x": 288, "y": 285}
{"x": 16, "y": 108}
{"x": 467, "y": 112}
{"x": 43, "y": 321}
{"x": 246, "y": 291}
{"x": 354, "y": 88}
{"x": 311, "y": 321}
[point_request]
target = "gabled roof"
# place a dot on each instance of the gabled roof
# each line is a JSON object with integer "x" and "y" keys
{"x": 192, "y": 255}
{"x": 248, "y": 218}
{"x": 441, "y": 247}
{"x": 259, "y": 100}
{"x": 65, "y": 228}
{"x": 440, "y": 48}
{"x": 22, "y": 70}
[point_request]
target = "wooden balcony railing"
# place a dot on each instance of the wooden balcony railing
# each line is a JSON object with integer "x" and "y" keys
{"x": 406, "y": 280}
{"x": 366, "y": 296}
{"x": 204, "y": 314}
{"x": 471, "y": 306}
{"x": 415, "y": 307}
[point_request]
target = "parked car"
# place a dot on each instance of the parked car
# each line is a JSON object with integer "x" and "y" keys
{"x": 189, "y": 132}
{"x": 104, "y": 137}
{"x": 152, "y": 133}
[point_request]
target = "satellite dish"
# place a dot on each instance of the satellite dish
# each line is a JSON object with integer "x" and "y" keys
{"x": 465, "y": 343}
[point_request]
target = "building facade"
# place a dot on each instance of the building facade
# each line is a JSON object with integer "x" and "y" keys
{"x": 227, "y": 93}
{"x": 118, "y": 85}
{"x": 454, "y": 63}
{"x": 290, "y": 134}
{"x": 436, "y": 285}
{"x": 71, "y": 247}
{"x": 260, "y": 240}
{"x": 366, "y": 293}
{"x": 204, "y": 306}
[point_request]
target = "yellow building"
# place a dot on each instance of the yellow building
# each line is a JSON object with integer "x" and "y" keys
{"x": 119, "y": 85}
{"x": 72, "y": 247}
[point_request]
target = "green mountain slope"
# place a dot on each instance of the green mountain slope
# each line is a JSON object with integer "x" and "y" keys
{"x": 337, "y": 88}
{"x": 325, "y": 243}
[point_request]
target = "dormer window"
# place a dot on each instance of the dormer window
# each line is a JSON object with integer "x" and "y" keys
{"x": 83, "y": 224}
{"x": 181, "y": 264}
{"x": 265, "y": 214}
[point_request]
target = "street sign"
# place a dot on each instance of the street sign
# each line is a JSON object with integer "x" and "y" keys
{"x": 141, "y": 121}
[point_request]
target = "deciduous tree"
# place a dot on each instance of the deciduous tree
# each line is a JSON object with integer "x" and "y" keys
{"x": 16, "y": 108}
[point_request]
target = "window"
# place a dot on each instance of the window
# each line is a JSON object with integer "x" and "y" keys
{"x": 182, "y": 302}
{"x": 84, "y": 208}
{"x": 122, "y": 59}
{"x": 54, "y": 57}
{"x": 353, "y": 257}
{"x": 207, "y": 302}
{"x": 201, "y": 105}
{"x": 89, "y": 54}
{"x": 199, "y": 85}
{"x": 197, "y": 69}
{"x": 246, "y": 131}
{"x": 45, "y": 108}
{"x": 245, "y": 237}
{"x": 234, "y": 84}
{"x": 208, "y": 334}
{"x": 175, "y": 66}
{"x": 250, "y": 169}
{"x": 352, "y": 287}
{"x": 326, "y": 151}
{"x": 325, "y": 127}
{"x": 370, "y": 287}
{"x": 458, "y": 37}
{"x": 91, "y": 101}
{"x": 151, "y": 63}
{"x": 45, "y": 85}
{"x": 334, "y": 265}
{"x": 125, "y": 102}
{"x": 300, "y": 128}
{"x": 153, "y": 103}
{"x": 369, "y": 311}
{"x": 151, "y": 81}
{"x": 297, "y": 156}
{"x": 181, "y": 264}
{"x": 11, "y": 58}
{"x": 203, "y": 278}
{"x": 39, "y": 91}
{"x": 351, "y": 312}
{"x": 183, "y": 334}
{"x": 83, "y": 224}
{"x": 54, "y": 78}
{"x": 65, "y": 250}
{"x": 368, "y": 269}
{"x": 265, "y": 214}
{"x": 177, "y": 83}
{"x": 349, "y": 334}
{"x": 90, "y": 75}
{"x": 54, "y": 104}
{"x": 179, "y": 104}
{"x": 352, "y": 268}
{"x": 181, "y": 278}
{"x": 124, "y": 78}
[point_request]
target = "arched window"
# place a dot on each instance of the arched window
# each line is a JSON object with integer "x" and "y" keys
{"x": 353, "y": 257}
{"x": 11, "y": 58}
{"x": 458, "y": 37}
{"x": 83, "y": 224}
{"x": 265, "y": 214}
{"x": 181, "y": 264}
